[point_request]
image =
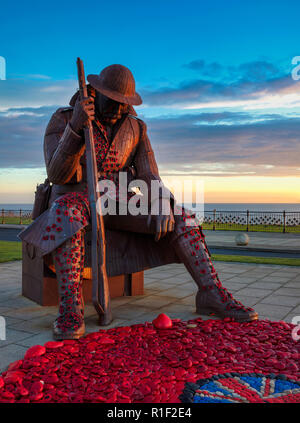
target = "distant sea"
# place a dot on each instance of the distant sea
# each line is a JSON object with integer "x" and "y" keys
{"x": 264, "y": 207}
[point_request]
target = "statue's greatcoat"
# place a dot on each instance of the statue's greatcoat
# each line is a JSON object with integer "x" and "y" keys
{"x": 130, "y": 247}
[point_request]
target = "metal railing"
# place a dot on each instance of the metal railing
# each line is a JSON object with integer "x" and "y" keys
{"x": 252, "y": 221}
{"x": 16, "y": 217}
{"x": 215, "y": 220}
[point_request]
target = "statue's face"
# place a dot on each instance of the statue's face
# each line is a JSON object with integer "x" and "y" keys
{"x": 109, "y": 110}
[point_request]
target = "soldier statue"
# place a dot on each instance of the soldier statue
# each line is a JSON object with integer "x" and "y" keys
{"x": 121, "y": 145}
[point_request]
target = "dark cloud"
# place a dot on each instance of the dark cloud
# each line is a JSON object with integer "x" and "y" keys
{"x": 224, "y": 142}
{"x": 263, "y": 147}
{"x": 201, "y": 91}
{"x": 216, "y": 82}
{"x": 258, "y": 71}
{"x": 206, "y": 69}
{"x": 21, "y": 136}
{"x": 198, "y": 140}
{"x": 25, "y": 109}
{"x": 35, "y": 92}
{"x": 253, "y": 71}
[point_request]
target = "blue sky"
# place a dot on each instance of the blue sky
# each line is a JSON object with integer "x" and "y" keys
{"x": 215, "y": 79}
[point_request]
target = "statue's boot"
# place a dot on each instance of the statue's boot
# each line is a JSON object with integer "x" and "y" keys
{"x": 212, "y": 297}
{"x": 69, "y": 261}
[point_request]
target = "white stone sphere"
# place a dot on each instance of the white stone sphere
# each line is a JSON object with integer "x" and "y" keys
{"x": 242, "y": 239}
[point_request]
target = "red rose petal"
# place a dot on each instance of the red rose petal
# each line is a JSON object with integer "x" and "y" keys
{"x": 162, "y": 322}
{"x": 51, "y": 378}
{"x": 37, "y": 387}
{"x": 22, "y": 391}
{"x": 14, "y": 376}
{"x": 36, "y": 396}
{"x": 106, "y": 340}
{"x": 53, "y": 344}
{"x": 35, "y": 351}
{"x": 15, "y": 365}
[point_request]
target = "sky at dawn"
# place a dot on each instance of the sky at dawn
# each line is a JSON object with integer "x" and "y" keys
{"x": 216, "y": 80}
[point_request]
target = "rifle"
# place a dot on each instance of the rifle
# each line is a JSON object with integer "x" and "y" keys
{"x": 100, "y": 291}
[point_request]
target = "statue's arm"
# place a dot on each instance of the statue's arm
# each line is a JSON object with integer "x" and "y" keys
{"x": 146, "y": 166}
{"x": 63, "y": 148}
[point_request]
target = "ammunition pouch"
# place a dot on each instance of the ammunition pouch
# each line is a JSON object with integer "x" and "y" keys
{"x": 41, "y": 200}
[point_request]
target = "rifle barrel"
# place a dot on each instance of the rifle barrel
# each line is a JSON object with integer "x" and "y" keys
{"x": 100, "y": 294}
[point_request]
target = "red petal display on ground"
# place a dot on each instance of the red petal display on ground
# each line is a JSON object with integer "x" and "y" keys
{"x": 144, "y": 364}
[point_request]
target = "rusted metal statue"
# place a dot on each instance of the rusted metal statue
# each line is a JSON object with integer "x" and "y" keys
{"x": 121, "y": 145}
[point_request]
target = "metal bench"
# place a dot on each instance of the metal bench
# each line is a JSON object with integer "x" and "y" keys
{"x": 39, "y": 280}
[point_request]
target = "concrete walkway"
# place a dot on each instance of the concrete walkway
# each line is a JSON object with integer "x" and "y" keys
{"x": 274, "y": 291}
{"x": 260, "y": 241}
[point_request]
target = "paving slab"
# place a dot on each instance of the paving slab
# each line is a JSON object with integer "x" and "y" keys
{"x": 36, "y": 325}
{"x": 246, "y": 300}
{"x": 264, "y": 285}
{"x": 253, "y": 292}
{"x": 234, "y": 286}
{"x": 278, "y": 312}
{"x": 281, "y": 300}
{"x": 294, "y": 292}
{"x": 11, "y": 353}
{"x": 155, "y": 301}
{"x": 292, "y": 318}
{"x": 292, "y": 284}
{"x": 13, "y": 337}
{"x": 296, "y": 310}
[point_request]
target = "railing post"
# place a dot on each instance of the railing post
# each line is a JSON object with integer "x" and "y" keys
{"x": 20, "y": 222}
{"x": 214, "y": 225}
{"x": 248, "y": 213}
{"x": 284, "y": 221}
{"x": 2, "y": 216}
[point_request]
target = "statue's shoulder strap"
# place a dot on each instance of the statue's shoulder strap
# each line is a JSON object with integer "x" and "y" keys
{"x": 65, "y": 109}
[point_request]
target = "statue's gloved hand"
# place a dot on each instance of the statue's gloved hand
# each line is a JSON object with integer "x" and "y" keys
{"x": 164, "y": 221}
{"x": 84, "y": 111}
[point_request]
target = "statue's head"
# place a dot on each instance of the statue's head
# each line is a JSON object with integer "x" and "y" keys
{"x": 115, "y": 90}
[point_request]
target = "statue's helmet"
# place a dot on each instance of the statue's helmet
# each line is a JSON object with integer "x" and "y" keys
{"x": 117, "y": 83}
